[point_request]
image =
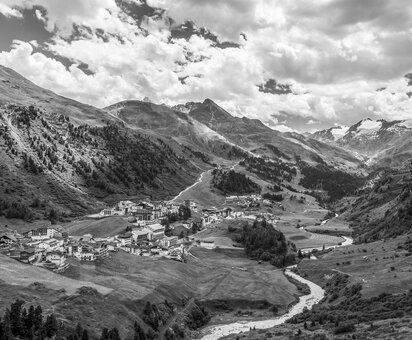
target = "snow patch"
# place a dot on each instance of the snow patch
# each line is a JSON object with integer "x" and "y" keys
{"x": 370, "y": 125}
{"x": 339, "y": 131}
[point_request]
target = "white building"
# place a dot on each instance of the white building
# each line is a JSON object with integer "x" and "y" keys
{"x": 169, "y": 241}
{"x": 158, "y": 231}
{"x": 208, "y": 244}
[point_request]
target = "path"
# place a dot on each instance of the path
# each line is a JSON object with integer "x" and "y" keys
{"x": 188, "y": 188}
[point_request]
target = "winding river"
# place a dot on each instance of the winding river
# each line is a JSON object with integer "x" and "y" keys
{"x": 316, "y": 294}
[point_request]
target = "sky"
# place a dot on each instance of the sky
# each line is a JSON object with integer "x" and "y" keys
{"x": 298, "y": 65}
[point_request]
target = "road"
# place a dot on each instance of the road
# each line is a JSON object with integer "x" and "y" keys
{"x": 199, "y": 180}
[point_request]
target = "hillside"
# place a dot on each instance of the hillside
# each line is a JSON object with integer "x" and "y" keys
{"x": 60, "y": 155}
{"x": 383, "y": 208}
{"x": 175, "y": 125}
{"x": 120, "y": 286}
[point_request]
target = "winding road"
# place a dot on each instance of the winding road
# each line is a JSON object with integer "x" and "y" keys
{"x": 199, "y": 180}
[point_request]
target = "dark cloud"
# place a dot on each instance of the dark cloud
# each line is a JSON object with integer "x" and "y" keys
{"x": 189, "y": 29}
{"x": 273, "y": 87}
{"x": 27, "y": 28}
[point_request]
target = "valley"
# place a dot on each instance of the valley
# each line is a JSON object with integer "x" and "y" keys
{"x": 188, "y": 222}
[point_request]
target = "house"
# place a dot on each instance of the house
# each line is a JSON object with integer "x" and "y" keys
{"x": 191, "y": 205}
{"x": 83, "y": 252}
{"x": 100, "y": 249}
{"x": 49, "y": 245}
{"x": 105, "y": 212}
{"x": 125, "y": 239}
{"x": 42, "y": 233}
{"x": 56, "y": 257}
{"x": 208, "y": 244}
{"x": 143, "y": 214}
{"x": 169, "y": 241}
{"x": 111, "y": 246}
{"x": 132, "y": 249}
{"x": 8, "y": 238}
{"x": 158, "y": 231}
{"x": 27, "y": 255}
{"x": 141, "y": 234}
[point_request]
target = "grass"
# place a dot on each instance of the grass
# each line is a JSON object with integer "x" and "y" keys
{"x": 334, "y": 226}
{"x": 379, "y": 266}
{"x": 304, "y": 239}
{"x": 379, "y": 330}
{"x": 105, "y": 227}
{"x": 19, "y": 274}
{"x": 203, "y": 193}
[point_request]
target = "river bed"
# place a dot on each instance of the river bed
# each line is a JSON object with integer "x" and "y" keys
{"x": 316, "y": 294}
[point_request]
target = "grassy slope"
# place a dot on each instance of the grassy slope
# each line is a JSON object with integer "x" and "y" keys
{"x": 105, "y": 227}
{"x": 369, "y": 264}
{"x": 208, "y": 274}
{"x": 131, "y": 280}
{"x": 16, "y": 273}
{"x": 203, "y": 193}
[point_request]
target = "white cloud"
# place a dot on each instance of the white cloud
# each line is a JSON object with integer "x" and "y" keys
{"x": 333, "y": 53}
{"x": 8, "y": 11}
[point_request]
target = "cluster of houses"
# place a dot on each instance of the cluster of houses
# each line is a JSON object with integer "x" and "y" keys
{"x": 146, "y": 211}
{"x": 44, "y": 246}
{"x": 51, "y": 246}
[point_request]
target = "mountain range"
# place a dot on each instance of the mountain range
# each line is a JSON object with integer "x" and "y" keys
{"x": 378, "y": 142}
{"x": 76, "y": 158}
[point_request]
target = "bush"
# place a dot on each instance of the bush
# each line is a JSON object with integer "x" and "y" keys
{"x": 345, "y": 328}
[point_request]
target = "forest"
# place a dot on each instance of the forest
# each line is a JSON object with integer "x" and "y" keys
{"x": 335, "y": 182}
{"x": 274, "y": 171}
{"x": 231, "y": 182}
{"x": 263, "y": 242}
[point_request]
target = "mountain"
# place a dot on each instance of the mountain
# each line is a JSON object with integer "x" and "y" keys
{"x": 58, "y": 156}
{"x": 253, "y": 135}
{"x": 378, "y": 141}
{"x": 175, "y": 125}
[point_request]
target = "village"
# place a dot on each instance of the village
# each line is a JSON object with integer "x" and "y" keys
{"x": 162, "y": 229}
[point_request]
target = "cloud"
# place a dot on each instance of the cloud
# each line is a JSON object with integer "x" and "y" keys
{"x": 333, "y": 53}
{"x": 8, "y": 11}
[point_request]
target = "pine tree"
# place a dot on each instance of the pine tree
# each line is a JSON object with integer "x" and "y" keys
{"x": 85, "y": 335}
{"x": 50, "y": 326}
{"x": 16, "y": 321}
{"x": 138, "y": 332}
{"x": 114, "y": 334}
{"x": 38, "y": 318}
{"x": 7, "y": 333}
{"x": 79, "y": 330}
{"x": 105, "y": 334}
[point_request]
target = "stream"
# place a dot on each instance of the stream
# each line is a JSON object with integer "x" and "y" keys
{"x": 316, "y": 294}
